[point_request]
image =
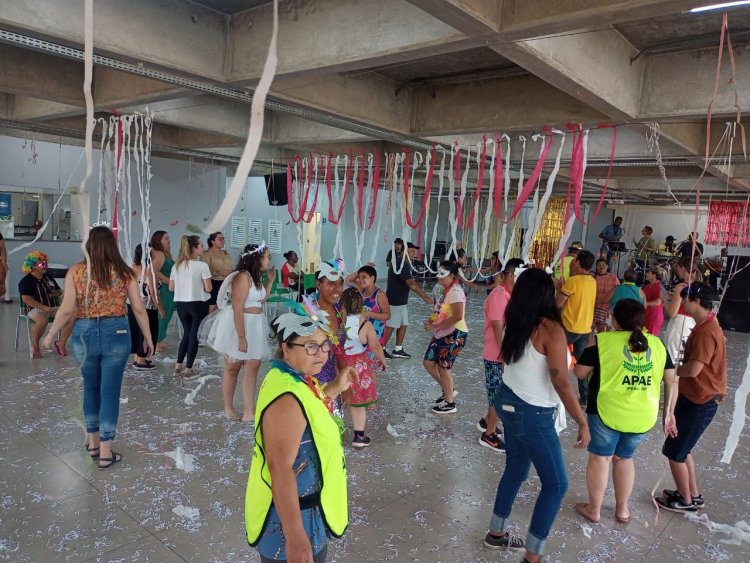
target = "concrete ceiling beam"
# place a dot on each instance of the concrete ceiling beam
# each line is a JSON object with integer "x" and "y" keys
{"x": 368, "y": 99}
{"x": 287, "y": 130}
{"x": 193, "y": 42}
{"x": 26, "y": 108}
{"x": 336, "y": 36}
{"x": 115, "y": 89}
{"x": 519, "y": 103}
{"x": 474, "y": 17}
{"x": 681, "y": 85}
{"x": 28, "y": 73}
{"x": 593, "y": 68}
{"x": 524, "y": 19}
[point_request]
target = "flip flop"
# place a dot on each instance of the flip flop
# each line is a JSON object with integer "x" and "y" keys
{"x": 579, "y": 509}
{"x": 233, "y": 417}
{"x": 111, "y": 461}
{"x": 60, "y": 350}
{"x": 621, "y": 520}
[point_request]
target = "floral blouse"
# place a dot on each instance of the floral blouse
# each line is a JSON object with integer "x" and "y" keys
{"x": 93, "y": 301}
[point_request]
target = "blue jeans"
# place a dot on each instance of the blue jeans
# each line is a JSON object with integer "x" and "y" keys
{"x": 101, "y": 347}
{"x": 530, "y": 437}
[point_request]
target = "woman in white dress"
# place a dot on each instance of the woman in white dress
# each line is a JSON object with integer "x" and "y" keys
{"x": 239, "y": 329}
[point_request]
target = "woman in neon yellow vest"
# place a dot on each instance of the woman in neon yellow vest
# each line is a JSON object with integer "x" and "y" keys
{"x": 625, "y": 370}
{"x": 296, "y": 492}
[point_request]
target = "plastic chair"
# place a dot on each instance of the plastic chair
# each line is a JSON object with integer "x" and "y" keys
{"x": 22, "y": 315}
{"x": 279, "y": 294}
{"x": 308, "y": 282}
{"x": 29, "y": 321}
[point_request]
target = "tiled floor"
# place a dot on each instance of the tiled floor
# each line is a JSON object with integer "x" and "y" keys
{"x": 424, "y": 494}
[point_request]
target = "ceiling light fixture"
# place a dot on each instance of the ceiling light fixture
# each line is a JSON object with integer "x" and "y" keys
{"x": 721, "y": 6}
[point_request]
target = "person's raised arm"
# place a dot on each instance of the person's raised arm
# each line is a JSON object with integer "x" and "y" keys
{"x": 414, "y": 286}
{"x": 673, "y": 304}
{"x": 282, "y": 425}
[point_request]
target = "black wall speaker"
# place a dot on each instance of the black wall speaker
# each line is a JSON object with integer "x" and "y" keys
{"x": 276, "y": 188}
{"x": 738, "y": 288}
{"x": 734, "y": 315}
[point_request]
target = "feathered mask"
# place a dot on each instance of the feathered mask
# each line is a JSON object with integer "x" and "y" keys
{"x": 303, "y": 320}
{"x": 332, "y": 270}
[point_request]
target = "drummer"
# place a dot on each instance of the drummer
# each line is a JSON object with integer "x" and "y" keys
{"x": 668, "y": 247}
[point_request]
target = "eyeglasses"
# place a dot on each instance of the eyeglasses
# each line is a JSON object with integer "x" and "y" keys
{"x": 312, "y": 348}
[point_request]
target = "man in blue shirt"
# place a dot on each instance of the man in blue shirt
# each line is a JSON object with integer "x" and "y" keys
{"x": 611, "y": 233}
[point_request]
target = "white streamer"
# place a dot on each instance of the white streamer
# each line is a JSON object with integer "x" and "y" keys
{"x": 738, "y": 416}
{"x": 255, "y": 133}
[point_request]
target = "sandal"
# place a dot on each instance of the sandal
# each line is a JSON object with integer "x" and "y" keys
{"x": 178, "y": 371}
{"x": 89, "y": 450}
{"x": 579, "y": 510}
{"x": 60, "y": 350}
{"x": 110, "y": 461}
{"x": 621, "y": 520}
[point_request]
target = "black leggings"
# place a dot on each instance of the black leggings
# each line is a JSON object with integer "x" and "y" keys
{"x": 191, "y": 313}
{"x": 136, "y": 336}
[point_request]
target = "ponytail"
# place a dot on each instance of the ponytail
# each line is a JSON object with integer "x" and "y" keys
{"x": 187, "y": 244}
{"x": 638, "y": 342}
{"x": 629, "y": 316}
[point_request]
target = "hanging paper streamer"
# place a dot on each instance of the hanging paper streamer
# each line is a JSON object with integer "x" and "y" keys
{"x": 738, "y": 417}
{"x": 254, "y": 135}
{"x": 480, "y": 179}
{"x": 609, "y": 171}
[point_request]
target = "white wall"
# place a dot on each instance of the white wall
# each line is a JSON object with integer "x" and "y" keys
{"x": 179, "y": 192}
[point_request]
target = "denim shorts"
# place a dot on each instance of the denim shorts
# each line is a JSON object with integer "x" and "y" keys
{"x": 606, "y": 442}
{"x": 692, "y": 420}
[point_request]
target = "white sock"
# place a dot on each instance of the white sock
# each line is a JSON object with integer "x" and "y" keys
{"x": 397, "y": 348}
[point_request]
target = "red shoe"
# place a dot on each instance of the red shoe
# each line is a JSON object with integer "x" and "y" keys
{"x": 60, "y": 350}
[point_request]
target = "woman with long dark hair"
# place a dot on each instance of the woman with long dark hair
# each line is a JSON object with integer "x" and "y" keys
{"x": 220, "y": 264}
{"x": 535, "y": 388}
{"x": 239, "y": 330}
{"x": 161, "y": 258}
{"x": 625, "y": 369}
{"x": 95, "y": 293}
{"x": 153, "y": 306}
{"x": 190, "y": 281}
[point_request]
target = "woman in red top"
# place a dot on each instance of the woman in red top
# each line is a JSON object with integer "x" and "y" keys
{"x": 654, "y": 292}
{"x": 289, "y": 275}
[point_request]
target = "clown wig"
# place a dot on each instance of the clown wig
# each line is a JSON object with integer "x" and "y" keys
{"x": 32, "y": 259}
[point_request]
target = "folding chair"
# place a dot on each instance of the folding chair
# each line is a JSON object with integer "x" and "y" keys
{"x": 22, "y": 315}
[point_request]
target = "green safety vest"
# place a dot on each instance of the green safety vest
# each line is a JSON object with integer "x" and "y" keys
{"x": 630, "y": 382}
{"x": 326, "y": 437}
{"x": 563, "y": 272}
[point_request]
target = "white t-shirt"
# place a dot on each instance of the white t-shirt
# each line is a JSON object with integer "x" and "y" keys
{"x": 188, "y": 281}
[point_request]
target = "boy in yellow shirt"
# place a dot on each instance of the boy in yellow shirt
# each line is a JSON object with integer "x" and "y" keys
{"x": 577, "y": 298}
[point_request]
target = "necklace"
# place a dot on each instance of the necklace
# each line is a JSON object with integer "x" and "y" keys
{"x": 312, "y": 382}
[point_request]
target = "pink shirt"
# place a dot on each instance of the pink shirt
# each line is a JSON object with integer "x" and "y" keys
{"x": 494, "y": 310}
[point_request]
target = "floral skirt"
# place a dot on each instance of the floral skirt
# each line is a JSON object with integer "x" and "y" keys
{"x": 363, "y": 393}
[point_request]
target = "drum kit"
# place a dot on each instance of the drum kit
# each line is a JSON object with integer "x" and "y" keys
{"x": 632, "y": 261}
